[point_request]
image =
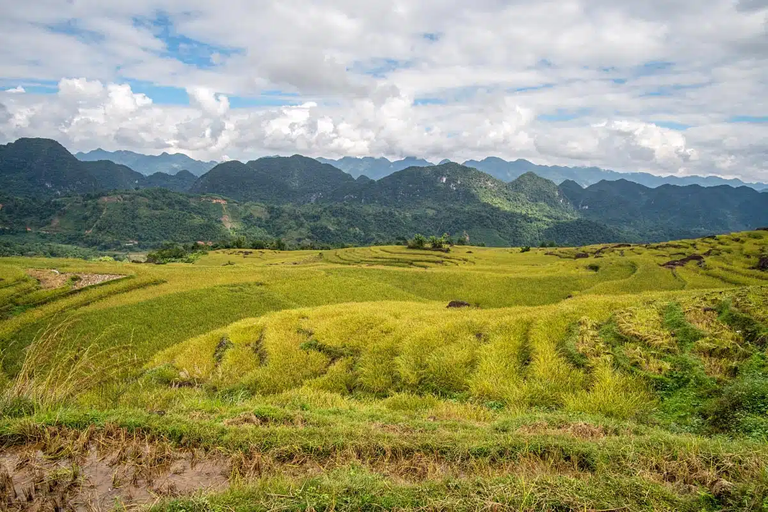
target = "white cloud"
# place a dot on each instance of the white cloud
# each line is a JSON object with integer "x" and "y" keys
{"x": 15, "y": 90}
{"x": 590, "y": 82}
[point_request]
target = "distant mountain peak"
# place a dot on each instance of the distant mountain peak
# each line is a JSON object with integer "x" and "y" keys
{"x": 168, "y": 163}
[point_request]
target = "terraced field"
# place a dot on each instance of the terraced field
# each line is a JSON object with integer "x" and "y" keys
{"x": 597, "y": 378}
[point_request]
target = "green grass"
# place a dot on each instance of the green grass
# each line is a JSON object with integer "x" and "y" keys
{"x": 606, "y": 382}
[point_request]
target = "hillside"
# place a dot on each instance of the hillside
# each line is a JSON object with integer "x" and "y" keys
{"x": 150, "y": 164}
{"x": 147, "y": 218}
{"x": 609, "y": 377}
{"x": 274, "y": 180}
{"x": 454, "y": 185}
{"x": 112, "y": 176}
{"x": 305, "y": 202}
{"x": 182, "y": 181}
{"x": 42, "y": 168}
{"x": 669, "y": 211}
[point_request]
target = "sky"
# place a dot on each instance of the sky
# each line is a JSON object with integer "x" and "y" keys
{"x": 662, "y": 86}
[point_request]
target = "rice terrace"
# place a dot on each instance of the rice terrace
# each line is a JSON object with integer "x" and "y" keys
{"x": 606, "y": 377}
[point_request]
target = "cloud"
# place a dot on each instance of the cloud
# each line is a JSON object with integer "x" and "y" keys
{"x": 15, "y": 90}
{"x": 559, "y": 82}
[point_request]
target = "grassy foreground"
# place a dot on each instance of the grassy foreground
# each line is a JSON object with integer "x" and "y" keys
{"x": 600, "y": 378}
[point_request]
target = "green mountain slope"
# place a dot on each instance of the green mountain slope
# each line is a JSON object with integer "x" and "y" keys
{"x": 276, "y": 180}
{"x": 669, "y": 211}
{"x": 42, "y": 168}
{"x": 182, "y": 181}
{"x": 112, "y": 176}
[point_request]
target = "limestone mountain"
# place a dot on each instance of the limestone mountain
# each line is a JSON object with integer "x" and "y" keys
{"x": 276, "y": 180}
{"x": 585, "y": 176}
{"x": 663, "y": 212}
{"x": 182, "y": 181}
{"x": 42, "y": 168}
{"x": 374, "y": 168}
{"x": 457, "y": 185}
{"x": 150, "y": 164}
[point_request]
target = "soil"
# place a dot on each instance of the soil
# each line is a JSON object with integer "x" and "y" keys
{"x": 762, "y": 264}
{"x": 29, "y": 480}
{"x": 458, "y": 304}
{"x": 49, "y": 279}
{"x": 681, "y": 262}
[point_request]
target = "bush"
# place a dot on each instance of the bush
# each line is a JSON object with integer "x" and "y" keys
{"x": 436, "y": 243}
{"x": 169, "y": 253}
{"x": 525, "y": 249}
{"x": 417, "y": 242}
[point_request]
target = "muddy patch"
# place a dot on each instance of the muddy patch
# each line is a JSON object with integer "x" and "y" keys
{"x": 31, "y": 480}
{"x": 52, "y": 278}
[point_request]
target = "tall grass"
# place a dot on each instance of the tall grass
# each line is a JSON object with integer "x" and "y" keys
{"x": 56, "y": 369}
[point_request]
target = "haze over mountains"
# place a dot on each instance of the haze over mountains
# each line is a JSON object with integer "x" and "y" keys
{"x": 150, "y": 164}
{"x": 45, "y": 190}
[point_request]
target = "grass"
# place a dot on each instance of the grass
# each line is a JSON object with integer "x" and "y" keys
{"x": 339, "y": 380}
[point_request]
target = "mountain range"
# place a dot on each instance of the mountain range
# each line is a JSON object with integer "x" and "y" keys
{"x": 504, "y": 170}
{"x": 150, "y": 164}
{"x": 377, "y": 168}
{"x": 43, "y": 168}
{"x": 45, "y": 190}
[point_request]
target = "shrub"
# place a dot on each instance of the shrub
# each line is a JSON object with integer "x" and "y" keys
{"x": 525, "y": 249}
{"x": 437, "y": 243}
{"x": 417, "y": 242}
{"x": 170, "y": 252}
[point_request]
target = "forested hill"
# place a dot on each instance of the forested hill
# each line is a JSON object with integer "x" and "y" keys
{"x": 511, "y": 170}
{"x": 46, "y": 192}
{"x": 43, "y": 168}
{"x": 668, "y": 211}
{"x": 150, "y": 164}
{"x": 277, "y": 180}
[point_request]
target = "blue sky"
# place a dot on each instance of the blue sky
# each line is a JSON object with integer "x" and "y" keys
{"x": 674, "y": 87}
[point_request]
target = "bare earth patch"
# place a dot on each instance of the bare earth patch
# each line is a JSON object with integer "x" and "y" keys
{"x": 49, "y": 279}
{"x": 30, "y": 480}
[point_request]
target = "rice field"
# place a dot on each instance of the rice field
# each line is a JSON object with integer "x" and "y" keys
{"x": 610, "y": 377}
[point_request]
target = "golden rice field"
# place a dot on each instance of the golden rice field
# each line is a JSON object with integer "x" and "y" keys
{"x": 608, "y": 377}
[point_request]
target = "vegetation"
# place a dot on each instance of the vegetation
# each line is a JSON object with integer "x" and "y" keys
{"x": 603, "y": 377}
{"x": 307, "y": 204}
